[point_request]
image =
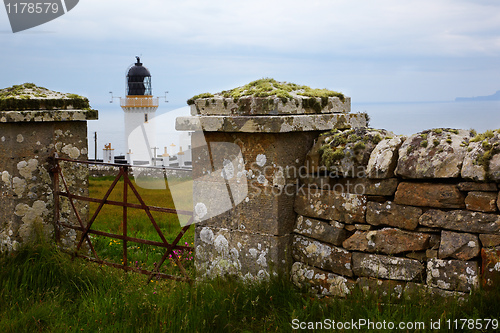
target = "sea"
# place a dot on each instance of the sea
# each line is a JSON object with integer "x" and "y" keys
{"x": 401, "y": 118}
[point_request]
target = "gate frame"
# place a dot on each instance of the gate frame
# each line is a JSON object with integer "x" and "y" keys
{"x": 86, "y": 230}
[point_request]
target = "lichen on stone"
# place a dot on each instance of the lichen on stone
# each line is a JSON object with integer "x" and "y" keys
{"x": 483, "y": 148}
{"x": 348, "y": 149}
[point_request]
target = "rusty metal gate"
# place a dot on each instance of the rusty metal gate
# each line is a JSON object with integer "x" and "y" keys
{"x": 85, "y": 230}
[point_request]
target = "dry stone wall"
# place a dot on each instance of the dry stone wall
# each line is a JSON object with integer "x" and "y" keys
{"x": 396, "y": 214}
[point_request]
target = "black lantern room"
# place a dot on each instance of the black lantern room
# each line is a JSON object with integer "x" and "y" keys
{"x": 139, "y": 80}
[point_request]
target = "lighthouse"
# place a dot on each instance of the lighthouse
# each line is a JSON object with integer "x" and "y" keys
{"x": 139, "y": 107}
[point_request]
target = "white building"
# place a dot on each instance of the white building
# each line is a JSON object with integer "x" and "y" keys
{"x": 139, "y": 109}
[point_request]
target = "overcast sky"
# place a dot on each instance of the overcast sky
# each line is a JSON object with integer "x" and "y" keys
{"x": 371, "y": 50}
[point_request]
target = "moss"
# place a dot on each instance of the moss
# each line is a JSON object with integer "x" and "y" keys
{"x": 323, "y": 93}
{"x": 409, "y": 150}
{"x": 311, "y": 103}
{"x": 454, "y": 131}
{"x": 435, "y": 142}
{"x": 377, "y": 138}
{"x": 268, "y": 87}
{"x": 423, "y": 136}
{"x": 329, "y": 156}
{"x": 490, "y": 148}
{"x": 438, "y": 130}
{"x": 424, "y": 143}
{"x": 28, "y": 96}
{"x": 359, "y": 145}
{"x": 355, "y": 138}
{"x": 480, "y": 137}
{"x": 484, "y": 161}
{"x": 485, "y": 144}
{"x": 204, "y": 95}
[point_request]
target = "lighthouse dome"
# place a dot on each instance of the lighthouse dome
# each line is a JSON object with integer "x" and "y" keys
{"x": 138, "y": 80}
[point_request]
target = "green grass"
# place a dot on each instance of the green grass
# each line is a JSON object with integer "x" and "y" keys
{"x": 139, "y": 225}
{"x": 43, "y": 290}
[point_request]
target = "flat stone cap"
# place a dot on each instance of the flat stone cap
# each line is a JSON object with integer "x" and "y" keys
{"x": 271, "y": 124}
{"x": 271, "y": 98}
{"x": 28, "y": 96}
{"x": 30, "y": 103}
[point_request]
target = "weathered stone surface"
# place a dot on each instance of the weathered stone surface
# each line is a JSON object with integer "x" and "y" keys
{"x": 436, "y": 153}
{"x": 277, "y": 219}
{"x": 417, "y": 290}
{"x": 458, "y": 245}
{"x": 382, "y": 288}
{"x": 365, "y": 186}
{"x": 453, "y": 274}
{"x": 388, "y": 213}
{"x": 315, "y": 203}
{"x": 314, "y": 181}
{"x": 351, "y": 227}
{"x": 251, "y": 105}
{"x": 384, "y": 267}
{"x": 346, "y": 153}
{"x": 490, "y": 269}
{"x": 384, "y": 158}
{"x": 47, "y": 116}
{"x": 473, "y": 186}
{"x": 321, "y": 255}
{"x": 255, "y": 168}
{"x": 270, "y": 124}
{"x": 313, "y": 163}
{"x": 461, "y": 220}
{"x": 498, "y": 201}
{"x": 323, "y": 231}
{"x": 482, "y": 161}
{"x": 266, "y": 159}
{"x": 387, "y": 240}
{"x": 26, "y": 186}
{"x": 434, "y": 241}
{"x": 488, "y": 240}
{"x": 222, "y": 252}
{"x": 319, "y": 281}
{"x": 429, "y": 195}
{"x": 432, "y": 253}
{"x": 328, "y": 205}
{"x": 362, "y": 186}
{"x": 481, "y": 201}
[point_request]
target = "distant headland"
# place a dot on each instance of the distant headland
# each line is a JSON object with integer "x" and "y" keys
{"x": 494, "y": 97}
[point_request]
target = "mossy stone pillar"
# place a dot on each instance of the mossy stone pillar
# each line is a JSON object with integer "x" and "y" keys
{"x": 250, "y": 150}
{"x": 35, "y": 124}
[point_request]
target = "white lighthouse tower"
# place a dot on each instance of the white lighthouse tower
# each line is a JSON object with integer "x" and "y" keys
{"x": 139, "y": 107}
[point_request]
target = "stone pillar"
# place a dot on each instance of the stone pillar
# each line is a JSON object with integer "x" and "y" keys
{"x": 247, "y": 153}
{"x": 29, "y": 136}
